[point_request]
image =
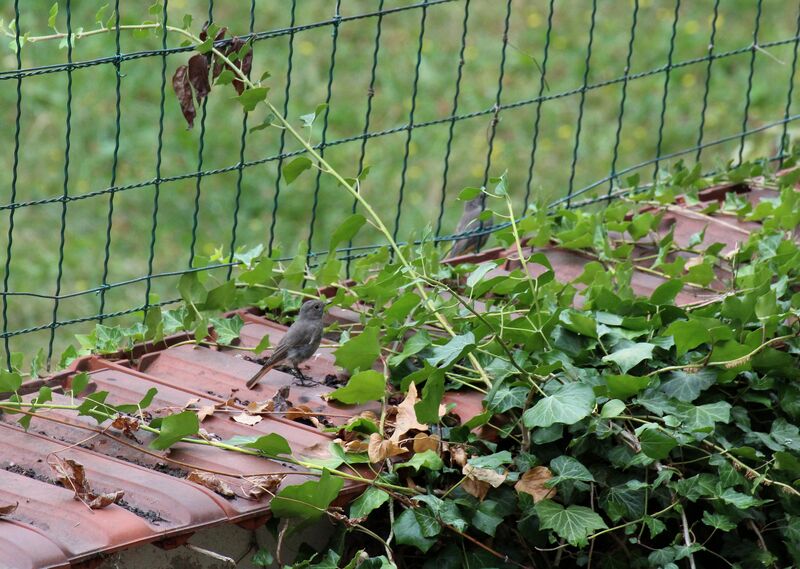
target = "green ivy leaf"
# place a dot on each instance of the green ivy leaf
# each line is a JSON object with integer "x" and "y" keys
{"x": 51, "y": 20}
{"x": 272, "y": 444}
{"x": 346, "y": 230}
{"x": 574, "y": 523}
{"x": 415, "y": 344}
{"x": 666, "y": 292}
{"x": 568, "y": 404}
{"x": 631, "y": 356}
{"x": 718, "y": 521}
{"x": 227, "y": 329}
{"x": 191, "y": 290}
{"x": 10, "y": 381}
{"x": 368, "y": 385}
{"x": 612, "y": 408}
{"x": 371, "y": 499}
{"x": 427, "y": 410}
{"x": 687, "y": 386}
{"x": 741, "y": 501}
{"x": 359, "y": 352}
{"x": 408, "y": 531}
{"x": 447, "y": 354}
{"x": 579, "y": 323}
{"x": 250, "y": 98}
{"x": 307, "y": 501}
{"x": 262, "y": 558}
{"x": 291, "y": 170}
{"x": 469, "y": 194}
{"x": 567, "y": 468}
{"x": 174, "y": 428}
{"x": 94, "y": 406}
{"x": 688, "y": 334}
{"x": 428, "y": 459}
{"x": 308, "y": 120}
{"x": 624, "y": 386}
{"x": 655, "y": 443}
{"x": 45, "y": 394}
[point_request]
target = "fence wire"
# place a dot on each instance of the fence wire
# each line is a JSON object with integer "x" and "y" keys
{"x": 431, "y": 95}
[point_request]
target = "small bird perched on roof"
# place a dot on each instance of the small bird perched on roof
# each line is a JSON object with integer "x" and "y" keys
{"x": 299, "y": 343}
{"x": 469, "y": 222}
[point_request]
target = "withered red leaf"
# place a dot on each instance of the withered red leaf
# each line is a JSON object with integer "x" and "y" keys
{"x": 198, "y": 76}
{"x": 183, "y": 90}
{"x": 266, "y": 484}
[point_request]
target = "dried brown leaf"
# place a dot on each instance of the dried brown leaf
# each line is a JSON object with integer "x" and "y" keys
{"x": 205, "y": 411}
{"x": 458, "y": 456}
{"x": 128, "y": 425}
{"x": 262, "y": 485}
{"x": 256, "y": 407}
{"x": 356, "y": 445}
{"x": 491, "y": 477}
{"x": 380, "y": 449}
{"x": 534, "y": 481}
{"x": 72, "y": 475}
{"x": 475, "y": 488}
{"x": 406, "y": 419}
{"x": 211, "y": 482}
{"x": 280, "y": 400}
{"x": 8, "y": 509}
{"x": 299, "y": 412}
{"x": 246, "y": 419}
{"x": 423, "y": 442}
{"x": 183, "y": 90}
{"x": 198, "y": 76}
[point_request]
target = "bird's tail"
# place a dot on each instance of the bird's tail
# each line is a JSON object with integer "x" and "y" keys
{"x": 259, "y": 374}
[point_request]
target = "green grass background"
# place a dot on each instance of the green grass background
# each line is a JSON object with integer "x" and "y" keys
{"x": 42, "y": 142}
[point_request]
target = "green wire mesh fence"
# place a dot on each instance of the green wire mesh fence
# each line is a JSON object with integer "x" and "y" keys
{"x": 106, "y": 198}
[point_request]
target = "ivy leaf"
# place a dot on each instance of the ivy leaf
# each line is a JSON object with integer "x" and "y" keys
{"x": 174, "y": 428}
{"x": 51, "y": 20}
{"x": 703, "y": 417}
{"x": 10, "y": 381}
{"x": 579, "y": 323}
{"x": 574, "y": 523}
{"x": 408, "y": 531}
{"x": 427, "y": 409}
{"x": 741, "y": 501}
{"x": 612, "y": 408}
{"x": 94, "y": 406}
{"x": 666, "y": 293}
{"x": 487, "y": 517}
{"x": 415, "y": 344}
{"x": 655, "y": 443}
{"x": 293, "y": 169}
{"x": 630, "y": 357}
{"x": 250, "y": 98}
{"x": 718, "y": 521}
{"x": 444, "y": 356}
{"x": 272, "y": 444}
{"x": 308, "y": 120}
{"x": 227, "y": 329}
{"x": 568, "y": 404}
{"x": 624, "y": 386}
{"x": 307, "y": 501}
{"x": 191, "y": 290}
{"x": 688, "y": 334}
{"x": 686, "y": 386}
{"x": 368, "y": 385}
{"x": 45, "y": 394}
{"x": 359, "y": 352}
{"x": 568, "y": 468}
{"x": 220, "y": 298}
{"x": 370, "y": 500}
{"x": 346, "y": 230}
{"x": 428, "y": 459}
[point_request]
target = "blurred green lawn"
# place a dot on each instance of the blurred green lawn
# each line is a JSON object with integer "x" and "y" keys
{"x": 42, "y": 141}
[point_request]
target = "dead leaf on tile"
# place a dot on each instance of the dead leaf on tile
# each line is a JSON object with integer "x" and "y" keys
{"x": 211, "y": 482}
{"x": 256, "y": 407}
{"x": 299, "y": 412}
{"x": 205, "y": 411}
{"x": 191, "y": 402}
{"x": 475, "y": 488}
{"x": 128, "y": 425}
{"x": 379, "y": 449}
{"x": 9, "y": 509}
{"x": 246, "y": 419}
{"x": 72, "y": 476}
{"x": 487, "y": 475}
{"x": 281, "y": 399}
{"x": 356, "y": 445}
{"x": 263, "y": 485}
{"x": 406, "y": 419}
{"x": 534, "y": 482}
{"x": 423, "y": 442}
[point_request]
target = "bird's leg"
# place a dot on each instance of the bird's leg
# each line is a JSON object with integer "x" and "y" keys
{"x": 304, "y": 381}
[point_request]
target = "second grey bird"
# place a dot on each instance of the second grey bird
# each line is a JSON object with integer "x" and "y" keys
{"x": 469, "y": 222}
{"x": 299, "y": 343}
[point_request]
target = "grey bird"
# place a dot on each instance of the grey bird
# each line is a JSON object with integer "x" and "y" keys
{"x": 469, "y": 222}
{"x": 299, "y": 343}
